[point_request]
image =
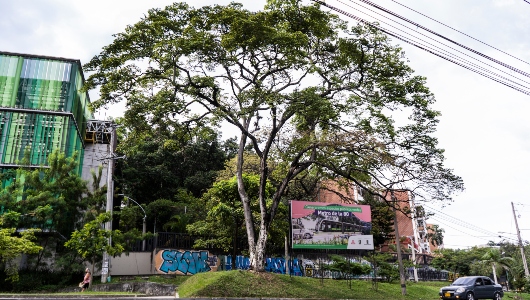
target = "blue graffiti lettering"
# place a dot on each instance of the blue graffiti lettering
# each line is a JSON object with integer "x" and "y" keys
{"x": 186, "y": 262}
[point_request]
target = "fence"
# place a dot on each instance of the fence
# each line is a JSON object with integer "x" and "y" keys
{"x": 301, "y": 263}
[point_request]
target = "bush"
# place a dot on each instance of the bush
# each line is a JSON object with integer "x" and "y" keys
{"x": 39, "y": 280}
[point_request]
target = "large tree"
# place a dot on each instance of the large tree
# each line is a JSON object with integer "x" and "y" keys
{"x": 297, "y": 85}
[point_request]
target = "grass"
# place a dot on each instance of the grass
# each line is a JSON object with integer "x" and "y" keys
{"x": 242, "y": 284}
{"x": 246, "y": 284}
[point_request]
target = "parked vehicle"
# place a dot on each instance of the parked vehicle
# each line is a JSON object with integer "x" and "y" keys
{"x": 472, "y": 287}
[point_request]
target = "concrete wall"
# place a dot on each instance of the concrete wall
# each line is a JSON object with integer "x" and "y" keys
{"x": 93, "y": 158}
{"x": 136, "y": 263}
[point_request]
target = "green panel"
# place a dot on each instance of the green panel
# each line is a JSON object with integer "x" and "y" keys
{"x": 10, "y": 67}
{"x": 44, "y": 84}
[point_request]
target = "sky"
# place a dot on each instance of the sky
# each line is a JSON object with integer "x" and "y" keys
{"x": 483, "y": 127}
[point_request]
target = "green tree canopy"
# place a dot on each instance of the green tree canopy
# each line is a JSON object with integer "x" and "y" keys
{"x": 159, "y": 165}
{"x": 224, "y": 225}
{"x": 46, "y": 197}
{"x": 13, "y": 244}
{"x": 92, "y": 240}
{"x": 49, "y": 198}
{"x": 297, "y": 86}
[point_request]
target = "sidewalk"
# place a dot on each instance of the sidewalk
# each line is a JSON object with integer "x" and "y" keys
{"x": 79, "y": 296}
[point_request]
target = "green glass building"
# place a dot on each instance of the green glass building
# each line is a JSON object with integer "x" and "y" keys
{"x": 42, "y": 108}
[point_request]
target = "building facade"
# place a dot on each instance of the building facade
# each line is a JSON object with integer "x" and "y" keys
{"x": 42, "y": 109}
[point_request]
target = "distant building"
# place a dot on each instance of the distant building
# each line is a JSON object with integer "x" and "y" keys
{"x": 43, "y": 109}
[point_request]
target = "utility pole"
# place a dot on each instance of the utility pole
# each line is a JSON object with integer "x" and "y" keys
{"x": 520, "y": 244}
{"x": 398, "y": 246}
{"x": 110, "y": 197}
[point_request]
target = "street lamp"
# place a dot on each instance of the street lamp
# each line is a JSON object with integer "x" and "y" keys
{"x": 145, "y": 216}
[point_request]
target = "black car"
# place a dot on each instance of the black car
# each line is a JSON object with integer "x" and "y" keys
{"x": 472, "y": 287}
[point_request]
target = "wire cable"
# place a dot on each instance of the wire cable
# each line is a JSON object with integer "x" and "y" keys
{"x": 453, "y": 56}
{"x": 456, "y": 221}
{"x": 461, "y": 31}
{"x": 404, "y": 39}
{"x": 471, "y": 226}
{"x": 465, "y": 233}
{"x": 444, "y": 37}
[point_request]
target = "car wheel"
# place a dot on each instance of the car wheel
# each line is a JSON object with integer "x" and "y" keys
{"x": 307, "y": 236}
{"x": 470, "y": 296}
{"x": 497, "y": 296}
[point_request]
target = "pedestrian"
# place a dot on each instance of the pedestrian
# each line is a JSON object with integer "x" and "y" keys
{"x": 86, "y": 280}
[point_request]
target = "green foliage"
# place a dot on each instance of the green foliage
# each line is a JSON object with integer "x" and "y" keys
{"x": 46, "y": 198}
{"x": 174, "y": 215}
{"x": 346, "y": 267}
{"x": 382, "y": 219}
{"x": 42, "y": 199}
{"x": 494, "y": 257}
{"x": 159, "y": 165}
{"x": 224, "y": 225}
{"x": 475, "y": 261}
{"x": 385, "y": 269}
{"x": 166, "y": 172}
{"x": 12, "y": 245}
{"x": 96, "y": 197}
{"x": 92, "y": 240}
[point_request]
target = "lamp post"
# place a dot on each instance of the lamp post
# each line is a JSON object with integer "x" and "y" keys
{"x": 145, "y": 216}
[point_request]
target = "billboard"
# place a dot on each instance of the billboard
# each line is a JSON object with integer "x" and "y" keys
{"x": 321, "y": 225}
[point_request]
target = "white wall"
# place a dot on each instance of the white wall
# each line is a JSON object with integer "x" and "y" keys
{"x": 136, "y": 263}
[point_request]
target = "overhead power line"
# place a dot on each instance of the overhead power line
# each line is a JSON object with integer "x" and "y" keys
{"x": 433, "y": 47}
{"x": 477, "y": 228}
{"x": 486, "y": 70}
{"x": 463, "y": 33}
{"x": 444, "y": 37}
{"x": 450, "y": 221}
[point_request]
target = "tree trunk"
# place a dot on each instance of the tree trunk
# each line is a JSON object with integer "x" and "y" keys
{"x": 249, "y": 224}
{"x": 494, "y": 273}
{"x": 259, "y": 257}
{"x": 398, "y": 246}
{"x": 91, "y": 274}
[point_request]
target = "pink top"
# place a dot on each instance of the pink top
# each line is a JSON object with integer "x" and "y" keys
{"x": 87, "y": 277}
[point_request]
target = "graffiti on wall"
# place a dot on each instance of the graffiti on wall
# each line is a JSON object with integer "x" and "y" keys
{"x": 297, "y": 267}
{"x": 190, "y": 262}
{"x": 185, "y": 262}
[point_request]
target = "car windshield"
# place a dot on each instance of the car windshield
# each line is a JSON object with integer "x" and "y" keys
{"x": 464, "y": 281}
